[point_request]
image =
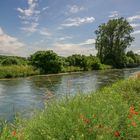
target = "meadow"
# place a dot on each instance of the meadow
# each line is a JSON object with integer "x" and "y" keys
{"x": 109, "y": 114}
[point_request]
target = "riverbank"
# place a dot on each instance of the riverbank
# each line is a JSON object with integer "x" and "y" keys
{"x": 17, "y": 71}
{"x": 110, "y": 113}
{"x": 136, "y": 75}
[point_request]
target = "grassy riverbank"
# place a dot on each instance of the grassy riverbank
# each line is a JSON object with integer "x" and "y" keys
{"x": 13, "y": 71}
{"x": 109, "y": 114}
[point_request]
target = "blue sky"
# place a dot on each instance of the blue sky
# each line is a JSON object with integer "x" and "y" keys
{"x": 65, "y": 26}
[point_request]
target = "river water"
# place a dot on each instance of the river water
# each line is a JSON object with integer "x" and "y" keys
{"x": 24, "y": 95}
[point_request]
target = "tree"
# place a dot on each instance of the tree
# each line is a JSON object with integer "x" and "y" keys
{"x": 75, "y": 60}
{"x": 46, "y": 61}
{"x": 112, "y": 40}
{"x": 134, "y": 56}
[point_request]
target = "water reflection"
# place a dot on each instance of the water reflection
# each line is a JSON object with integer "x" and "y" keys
{"x": 26, "y": 94}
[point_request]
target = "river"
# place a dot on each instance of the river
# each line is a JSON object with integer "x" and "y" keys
{"x": 24, "y": 95}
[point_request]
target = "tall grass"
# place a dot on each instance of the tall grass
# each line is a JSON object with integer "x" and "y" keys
{"x": 72, "y": 69}
{"x": 109, "y": 114}
{"x": 17, "y": 71}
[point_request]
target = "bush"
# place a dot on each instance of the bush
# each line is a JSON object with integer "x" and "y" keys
{"x": 130, "y": 60}
{"x": 46, "y": 61}
{"x": 10, "y": 61}
{"x": 96, "y": 64}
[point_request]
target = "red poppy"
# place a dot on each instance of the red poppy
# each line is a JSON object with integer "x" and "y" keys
{"x": 136, "y": 113}
{"x": 131, "y": 110}
{"x": 130, "y": 116}
{"x": 134, "y": 124}
{"x": 116, "y": 134}
{"x": 14, "y": 133}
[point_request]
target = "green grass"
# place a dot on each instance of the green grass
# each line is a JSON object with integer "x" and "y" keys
{"x": 17, "y": 71}
{"x": 112, "y": 113}
{"x": 72, "y": 69}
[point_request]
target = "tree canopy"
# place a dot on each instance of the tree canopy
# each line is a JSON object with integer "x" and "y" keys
{"x": 46, "y": 61}
{"x": 112, "y": 40}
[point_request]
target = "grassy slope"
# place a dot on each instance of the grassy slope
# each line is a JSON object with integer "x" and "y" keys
{"x": 109, "y": 114}
{"x": 16, "y": 71}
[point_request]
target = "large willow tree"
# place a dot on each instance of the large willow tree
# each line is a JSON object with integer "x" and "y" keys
{"x": 112, "y": 40}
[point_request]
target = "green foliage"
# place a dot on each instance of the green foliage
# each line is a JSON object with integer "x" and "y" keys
{"x": 75, "y": 60}
{"x": 72, "y": 69}
{"x": 130, "y": 60}
{"x": 13, "y": 60}
{"x": 95, "y": 63}
{"x": 111, "y": 113}
{"x": 84, "y": 62}
{"x": 46, "y": 61}
{"x": 135, "y": 58}
{"x": 17, "y": 71}
{"x": 112, "y": 40}
{"x": 10, "y": 61}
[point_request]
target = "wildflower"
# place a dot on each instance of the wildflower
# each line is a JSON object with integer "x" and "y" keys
{"x": 136, "y": 113}
{"x": 131, "y": 109}
{"x": 134, "y": 124}
{"x": 130, "y": 116}
{"x": 116, "y": 134}
{"x": 14, "y": 133}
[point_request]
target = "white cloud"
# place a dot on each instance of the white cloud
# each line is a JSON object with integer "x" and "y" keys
{"x": 78, "y": 21}
{"x": 114, "y": 14}
{"x": 32, "y": 28}
{"x": 31, "y": 10}
{"x": 29, "y": 16}
{"x": 45, "y": 8}
{"x": 134, "y": 25}
{"x": 75, "y": 9}
{"x": 137, "y": 51}
{"x": 44, "y": 32}
{"x": 9, "y": 44}
{"x": 1, "y": 31}
{"x": 133, "y": 18}
{"x": 64, "y": 38}
{"x": 66, "y": 49}
{"x": 88, "y": 42}
{"x": 136, "y": 32}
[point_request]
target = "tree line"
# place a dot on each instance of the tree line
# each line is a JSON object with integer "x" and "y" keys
{"x": 112, "y": 40}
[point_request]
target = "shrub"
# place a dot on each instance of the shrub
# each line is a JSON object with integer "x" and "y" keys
{"x": 10, "y": 61}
